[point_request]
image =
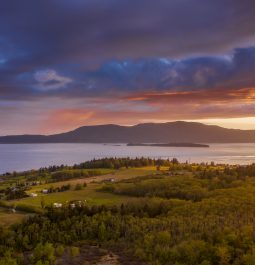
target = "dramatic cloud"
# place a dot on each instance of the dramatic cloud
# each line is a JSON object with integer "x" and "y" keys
{"x": 45, "y": 31}
{"x": 232, "y": 71}
{"x": 49, "y": 79}
{"x": 88, "y": 61}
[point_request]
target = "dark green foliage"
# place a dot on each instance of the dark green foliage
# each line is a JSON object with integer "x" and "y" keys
{"x": 179, "y": 187}
{"x": 8, "y": 259}
{"x": 60, "y": 250}
{"x": 59, "y": 189}
{"x": 75, "y": 251}
{"x": 190, "y": 215}
{"x": 212, "y": 231}
{"x": 43, "y": 254}
{"x": 72, "y": 174}
{"x": 15, "y": 193}
{"x": 78, "y": 186}
{"x": 116, "y": 163}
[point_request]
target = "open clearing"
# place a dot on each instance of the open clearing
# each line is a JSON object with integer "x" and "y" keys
{"x": 8, "y": 218}
{"x": 88, "y": 194}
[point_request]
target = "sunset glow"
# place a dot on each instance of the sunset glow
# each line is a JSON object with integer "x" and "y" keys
{"x": 89, "y": 65}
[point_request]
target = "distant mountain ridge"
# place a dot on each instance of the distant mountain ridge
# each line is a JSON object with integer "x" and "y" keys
{"x": 174, "y": 132}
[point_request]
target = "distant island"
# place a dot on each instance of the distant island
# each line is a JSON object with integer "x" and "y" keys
{"x": 170, "y": 145}
{"x": 175, "y": 132}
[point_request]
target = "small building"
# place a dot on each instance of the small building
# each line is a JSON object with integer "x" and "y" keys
{"x": 33, "y": 195}
{"x": 79, "y": 203}
{"x": 45, "y": 191}
{"x": 110, "y": 180}
{"x": 72, "y": 205}
{"x": 57, "y": 205}
{"x": 35, "y": 183}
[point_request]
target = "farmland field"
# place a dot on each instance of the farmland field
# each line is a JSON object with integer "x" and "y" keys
{"x": 7, "y": 217}
{"x": 88, "y": 193}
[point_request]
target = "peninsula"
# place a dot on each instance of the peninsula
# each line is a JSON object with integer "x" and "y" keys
{"x": 170, "y": 145}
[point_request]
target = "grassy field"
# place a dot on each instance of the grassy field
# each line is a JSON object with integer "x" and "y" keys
{"x": 8, "y": 218}
{"x": 117, "y": 175}
{"x": 89, "y": 193}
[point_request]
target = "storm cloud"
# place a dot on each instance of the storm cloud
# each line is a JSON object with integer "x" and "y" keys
{"x": 136, "y": 54}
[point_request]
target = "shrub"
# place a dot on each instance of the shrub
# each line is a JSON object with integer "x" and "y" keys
{"x": 60, "y": 250}
{"x": 75, "y": 251}
{"x": 78, "y": 186}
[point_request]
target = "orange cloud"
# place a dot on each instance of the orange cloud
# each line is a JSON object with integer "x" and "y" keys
{"x": 153, "y": 107}
{"x": 65, "y": 119}
{"x": 215, "y": 96}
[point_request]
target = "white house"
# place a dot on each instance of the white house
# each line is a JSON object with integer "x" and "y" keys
{"x": 57, "y": 205}
{"x": 33, "y": 195}
{"x": 72, "y": 205}
{"x": 110, "y": 180}
{"x": 45, "y": 191}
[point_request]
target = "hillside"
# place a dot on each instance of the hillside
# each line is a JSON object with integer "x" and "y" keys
{"x": 174, "y": 132}
{"x": 124, "y": 211}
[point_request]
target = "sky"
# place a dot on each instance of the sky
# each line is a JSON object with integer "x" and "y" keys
{"x": 66, "y": 64}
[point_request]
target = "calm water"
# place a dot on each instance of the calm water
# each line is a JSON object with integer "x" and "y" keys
{"x": 33, "y": 156}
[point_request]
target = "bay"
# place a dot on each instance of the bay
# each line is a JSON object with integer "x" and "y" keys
{"x": 18, "y": 157}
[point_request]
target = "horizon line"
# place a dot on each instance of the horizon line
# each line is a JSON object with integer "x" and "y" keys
{"x": 128, "y": 125}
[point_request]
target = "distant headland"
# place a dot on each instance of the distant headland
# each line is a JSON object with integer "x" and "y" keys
{"x": 171, "y": 132}
{"x": 170, "y": 145}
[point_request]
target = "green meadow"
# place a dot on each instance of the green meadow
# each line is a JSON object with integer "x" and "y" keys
{"x": 89, "y": 194}
{"x": 7, "y": 217}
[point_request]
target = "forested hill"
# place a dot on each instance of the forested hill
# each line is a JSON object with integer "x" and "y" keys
{"x": 142, "y": 133}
